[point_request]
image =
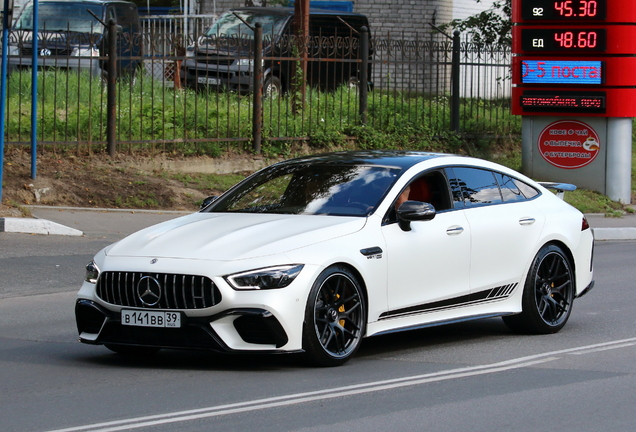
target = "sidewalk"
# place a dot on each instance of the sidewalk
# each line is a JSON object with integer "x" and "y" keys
{"x": 111, "y": 224}
{"x": 115, "y": 224}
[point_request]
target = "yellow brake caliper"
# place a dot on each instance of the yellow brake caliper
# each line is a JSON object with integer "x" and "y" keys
{"x": 341, "y": 309}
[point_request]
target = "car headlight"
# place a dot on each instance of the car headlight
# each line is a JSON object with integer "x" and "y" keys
{"x": 85, "y": 52}
{"x": 190, "y": 51}
{"x": 245, "y": 62}
{"x": 266, "y": 278}
{"x": 13, "y": 50}
{"x": 92, "y": 272}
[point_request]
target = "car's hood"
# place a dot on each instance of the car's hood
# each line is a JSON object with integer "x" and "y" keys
{"x": 233, "y": 236}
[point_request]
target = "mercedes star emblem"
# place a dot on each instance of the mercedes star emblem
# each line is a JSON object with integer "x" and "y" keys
{"x": 149, "y": 291}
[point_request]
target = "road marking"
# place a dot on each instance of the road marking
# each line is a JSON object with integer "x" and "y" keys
{"x": 351, "y": 390}
{"x": 604, "y": 348}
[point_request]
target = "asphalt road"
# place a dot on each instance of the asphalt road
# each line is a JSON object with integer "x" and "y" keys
{"x": 466, "y": 377}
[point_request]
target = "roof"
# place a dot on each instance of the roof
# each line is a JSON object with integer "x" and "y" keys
{"x": 393, "y": 158}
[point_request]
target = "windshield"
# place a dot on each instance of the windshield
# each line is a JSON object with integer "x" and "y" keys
{"x": 62, "y": 16}
{"x": 311, "y": 190}
{"x": 229, "y": 25}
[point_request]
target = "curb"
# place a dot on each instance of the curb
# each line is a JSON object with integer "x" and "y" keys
{"x": 109, "y": 210}
{"x": 601, "y": 234}
{"x": 36, "y": 226}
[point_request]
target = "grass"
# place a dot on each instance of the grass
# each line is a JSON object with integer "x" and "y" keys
{"x": 72, "y": 109}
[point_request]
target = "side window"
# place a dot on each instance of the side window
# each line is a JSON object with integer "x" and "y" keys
{"x": 527, "y": 190}
{"x": 509, "y": 190}
{"x": 456, "y": 189}
{"x": 431, "y": 187}
{"x": 478, "y": 186}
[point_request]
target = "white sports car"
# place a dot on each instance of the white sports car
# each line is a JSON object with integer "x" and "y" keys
{"x": 313, "y": 254}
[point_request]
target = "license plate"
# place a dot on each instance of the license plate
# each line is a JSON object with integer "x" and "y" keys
{"x": 208, "y": 81}
{"x": 150, "y": 318}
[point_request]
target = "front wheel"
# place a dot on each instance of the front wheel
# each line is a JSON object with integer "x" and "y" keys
{"x": 547, "y": 296}
{"x": 272, "y": 87}
{"x": 335, "y": 318}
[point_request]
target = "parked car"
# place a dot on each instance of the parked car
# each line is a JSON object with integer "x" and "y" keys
{"x": 71, "y": 36}
{"x": 223, "y": 57}
{"x": 315, "y": 253}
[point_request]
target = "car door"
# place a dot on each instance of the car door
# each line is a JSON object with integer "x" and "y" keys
{"x": 505, "y": 227}
{"x": 428, "y": 266}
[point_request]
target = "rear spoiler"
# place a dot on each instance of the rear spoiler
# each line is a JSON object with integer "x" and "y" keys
{"x": 560, "y": 188}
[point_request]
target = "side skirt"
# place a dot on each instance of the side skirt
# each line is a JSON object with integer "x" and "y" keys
{"x": 440, "y": 323}
{"x": 493, "y": 294}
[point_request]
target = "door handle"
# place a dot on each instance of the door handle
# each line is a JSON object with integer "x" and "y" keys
{"x": 454, "y": 230}
{"x": 527, "y": 221}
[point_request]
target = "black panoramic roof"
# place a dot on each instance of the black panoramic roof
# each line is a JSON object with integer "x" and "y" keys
{"x": 392, "y": 158}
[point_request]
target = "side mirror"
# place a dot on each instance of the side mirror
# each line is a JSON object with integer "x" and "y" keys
{"x": 411, "y": 211}
{"x": 207, "y": 201}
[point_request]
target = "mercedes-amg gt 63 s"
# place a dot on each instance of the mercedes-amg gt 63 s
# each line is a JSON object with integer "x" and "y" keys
{"x": 313, "y": 254}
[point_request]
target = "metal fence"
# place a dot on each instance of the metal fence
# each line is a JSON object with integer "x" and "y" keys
{"x": 156, "y": 109}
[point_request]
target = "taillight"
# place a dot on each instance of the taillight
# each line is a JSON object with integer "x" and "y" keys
{"x": 584, "y": 224}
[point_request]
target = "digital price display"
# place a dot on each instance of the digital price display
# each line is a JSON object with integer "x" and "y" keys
{"x": 561, "y": 72}
{"x": 563, "y": 40}
{"x": 591, "y": 102}
{"x": 564, "y": 11}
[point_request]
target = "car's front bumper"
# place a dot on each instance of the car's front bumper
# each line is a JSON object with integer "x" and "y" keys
{"x": 98, "y": 325}
{"x": 91, "y": 64}
{"x": 239, "y": 79}
{"x": 229, "y": 320}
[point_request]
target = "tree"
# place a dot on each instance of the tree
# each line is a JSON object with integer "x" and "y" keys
{"x": 491, "y": 26}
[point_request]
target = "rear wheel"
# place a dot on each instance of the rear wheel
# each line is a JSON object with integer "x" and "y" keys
{"x": 548, "y": 294}
{"x": 335, "y": 318}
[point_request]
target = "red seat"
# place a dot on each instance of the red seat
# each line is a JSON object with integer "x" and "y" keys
{"x": 421, "y": 191}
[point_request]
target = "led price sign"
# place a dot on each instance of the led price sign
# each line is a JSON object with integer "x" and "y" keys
{"x": 560, "y": 10}
{"x": 561, "y": 72}
{"x": 563, "y": 40}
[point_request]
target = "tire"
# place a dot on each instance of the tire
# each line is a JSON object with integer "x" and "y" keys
{"x": 272, "y": 87}
{"x": 547, "y": 295}
{"x": 132, "y": 350}
{"x": 353, "y": 82}
{"x": 335, "y": 318}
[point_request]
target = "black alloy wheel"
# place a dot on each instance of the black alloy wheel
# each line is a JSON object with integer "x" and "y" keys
{"x": 548, "y": 294}
{"x": 335, "y": 318}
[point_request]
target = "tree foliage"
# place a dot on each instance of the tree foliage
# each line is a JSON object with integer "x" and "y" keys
{"x": 491, "y": 26}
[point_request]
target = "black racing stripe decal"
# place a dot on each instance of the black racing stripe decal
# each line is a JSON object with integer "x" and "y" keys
{"x": 497, "y": 293}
